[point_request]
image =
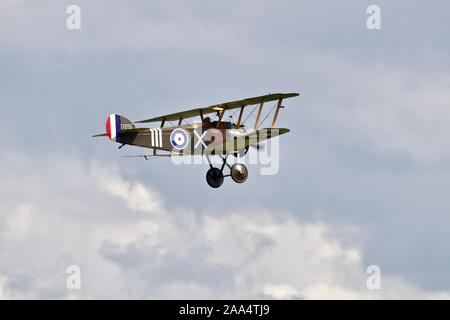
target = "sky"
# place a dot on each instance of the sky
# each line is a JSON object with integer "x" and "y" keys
{"x": 363, "y": 174}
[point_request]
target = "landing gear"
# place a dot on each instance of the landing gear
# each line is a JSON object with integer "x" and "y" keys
{"x": 241, "y": 153}
{"x": 215, "y": 176}
{"x": 239, "y": 173}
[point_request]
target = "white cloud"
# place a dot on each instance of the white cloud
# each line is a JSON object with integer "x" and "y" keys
{"x": 137, "y": 196}
{"x": 281, "y": 291}
{"x": 67, "y": 215}
{"x": 3, "y": 290}
{"x": 20, "y": 223}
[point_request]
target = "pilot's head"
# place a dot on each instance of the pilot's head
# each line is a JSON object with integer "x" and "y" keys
{"x": 207, "y": 120}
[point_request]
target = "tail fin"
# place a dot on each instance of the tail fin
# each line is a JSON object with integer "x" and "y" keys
{"x": 115, "y": 124}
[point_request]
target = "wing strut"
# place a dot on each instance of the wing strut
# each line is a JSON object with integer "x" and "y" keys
{"x": 240, "y": 118}
{"x": 275, "y": 116}
{"x": 258, "y": 115}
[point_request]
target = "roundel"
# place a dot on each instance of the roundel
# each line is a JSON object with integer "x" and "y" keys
{"x": 179, "y": 139}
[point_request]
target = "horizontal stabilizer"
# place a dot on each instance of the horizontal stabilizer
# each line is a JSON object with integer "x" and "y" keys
{"x": 100, "y": 135}
{"x": 134, "y": 130}
{"x": 146, "y": 156}
{"x": 124, "y": 131}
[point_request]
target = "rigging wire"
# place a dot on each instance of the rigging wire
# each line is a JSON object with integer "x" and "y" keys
{"x": 249, "y": 115}
{"x": 267, "y": 115}
{"x": 233, "y": 115}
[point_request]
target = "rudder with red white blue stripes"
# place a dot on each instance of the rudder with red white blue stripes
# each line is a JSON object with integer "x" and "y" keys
{"x": 114, "y": 124}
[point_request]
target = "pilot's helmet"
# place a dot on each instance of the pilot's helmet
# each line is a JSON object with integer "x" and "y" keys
{"x": 207, "y": 119}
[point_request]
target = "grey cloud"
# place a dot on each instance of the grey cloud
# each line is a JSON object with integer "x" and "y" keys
{"x": 367, "y": 146}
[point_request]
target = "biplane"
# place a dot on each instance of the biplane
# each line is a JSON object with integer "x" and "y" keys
{"x": 179, "y": 134}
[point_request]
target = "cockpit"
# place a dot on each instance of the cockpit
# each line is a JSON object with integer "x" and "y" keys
{"x": 207, "y": 123}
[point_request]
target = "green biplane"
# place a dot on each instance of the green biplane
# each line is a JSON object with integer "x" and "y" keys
{"x": 204, "y": 137}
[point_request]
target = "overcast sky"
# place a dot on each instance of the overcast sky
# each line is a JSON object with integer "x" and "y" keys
{"x": 364, "y": 173}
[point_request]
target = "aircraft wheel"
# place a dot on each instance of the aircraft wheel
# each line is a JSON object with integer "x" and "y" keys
{"x": 239, "y": 173}
{"x": 214, "y": 177}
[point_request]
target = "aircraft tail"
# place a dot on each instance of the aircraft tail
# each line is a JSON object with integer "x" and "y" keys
{"x": 115, "y": 124}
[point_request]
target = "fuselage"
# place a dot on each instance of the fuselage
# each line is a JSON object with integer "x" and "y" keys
{"x": 197, "y": 138}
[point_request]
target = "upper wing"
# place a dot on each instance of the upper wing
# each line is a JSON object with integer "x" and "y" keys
{"x": 221, "y": 106}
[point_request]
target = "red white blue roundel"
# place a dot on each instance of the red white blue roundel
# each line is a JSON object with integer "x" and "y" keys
{"x": 179, "y": 138}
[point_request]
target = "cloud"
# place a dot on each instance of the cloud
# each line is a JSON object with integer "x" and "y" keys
{"x": 396, "y": 108}
{"x": 399, "y": 111}
{"x": 20, "y": 223}
{"x": 281, "y": 291}
{"x": 137, "y": 196}
{"x": 371, "y": 121}
{"x": 387, "y": 108}
{"x": 136, "y": 246}
{"x": 3, "y": 289}
{"x": 107, "y": 26}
